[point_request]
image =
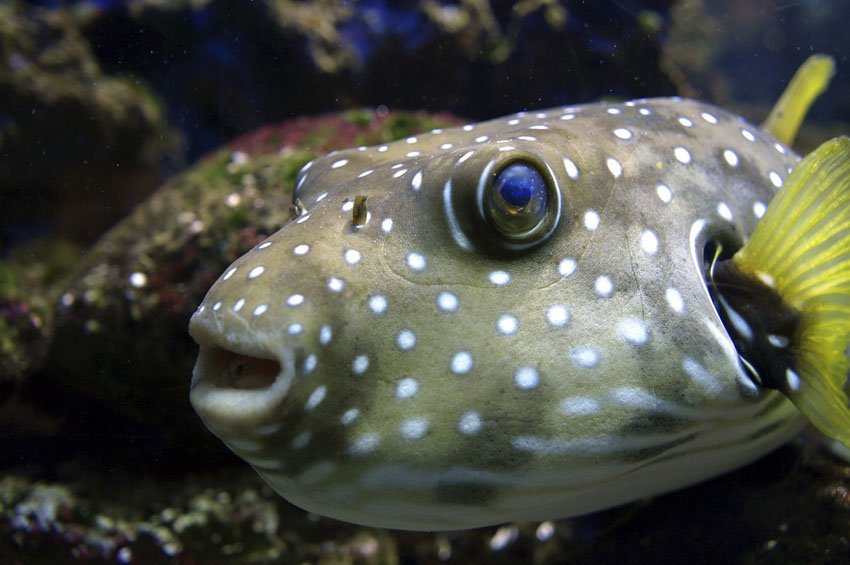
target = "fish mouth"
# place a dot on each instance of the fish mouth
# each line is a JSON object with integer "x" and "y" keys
{"x": 237, "y": 384}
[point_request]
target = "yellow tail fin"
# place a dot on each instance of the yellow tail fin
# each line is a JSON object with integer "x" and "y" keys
{"x": 801, "y": 249}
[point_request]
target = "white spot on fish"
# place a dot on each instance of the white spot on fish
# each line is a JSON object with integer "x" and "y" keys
{"x": 527, "y": 378}
{"x": 335, "y": 284}
{"x": 406, "y": 340}
{"x": 701, "y": 376}
{"x": 682, "y": 155}
{"x": 416, "y": 261}
{"x": 748, "y": 135}
{"x": 633, "y": 331}
{"x": 567, "y": 266}
{"x": 709, "y": 118}
{"x": 613, "y": 111}
{"x": 558, "y": 315}
{"x": 352, "y": 256}
{"x": 387, "y": 225}
{"x": 229, "y": 273}
{"x": 586, "y": 357}
{"x": 731, "y": 157}
{"x": 349, "y": 416}
{"x": 340, "y": 163}
{"x": 603, "y": 286}
{"x": 413, "y": 429}
{"x": 399, "y": 173}
{"x": 507, "y": 324}
{"x": 591, "y": 220}
{"x": 649, "y": 242}
{"x": 446, "y": 146}
{"x": 623, "y": 133}
{"x": 686, "y": 122}
{"x": 461, "y": 363}
{"x": 310, "y": 363}
{"x": 664, "y": 193}
{"x": 260, "y": 310}
{"x": 579, "y": 406}
{"x": 499, "y": 278}
{"x": 759, "y": 209}
{"x": 645, "y": 111}
{"x": 465, "y": 156}
{"x": 775, "y": 179}
{"x": 315, "y": 398}
{"x": 295, "y": 300}
{"x": 571, "y": 168}
{"x": 447, "y": 302}
{"x": 481, "y": 139}
{"x": 364, "y": 444}
{"x": 406, "y": 388}
{"x": 301, "y": 249}
{"x": 360, "y": 364}
{"x": 724, "y": 211}
{"x": 377, "y": 304}
{"x": 239, "y": 304}
{"x": 778, "y": 341}
{"x": 325, "y": 335}
{"x": 780, "y": 148}
{"x": 470, "y": 423}
{"x": 416, "y": 182}
{"x": 295, "y": 329}
{"x": 365, "y": 173}
{"x": 674, "y": 300}
{"x": 793, "y": 379}
{"x": 255, "y": 272}
{"x": 614, "y": 167}
{"x": 264, "y": 245}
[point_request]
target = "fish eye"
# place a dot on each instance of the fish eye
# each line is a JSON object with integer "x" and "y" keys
{"x": 517, "y": 201}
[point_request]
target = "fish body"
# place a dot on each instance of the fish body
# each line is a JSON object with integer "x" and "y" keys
{"x": 440, "y": 361}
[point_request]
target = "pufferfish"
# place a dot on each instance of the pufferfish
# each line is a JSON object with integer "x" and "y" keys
{"x": 538, "y": 316}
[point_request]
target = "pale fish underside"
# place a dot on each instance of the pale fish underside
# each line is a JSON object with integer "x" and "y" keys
{"x": 420, "y": 372}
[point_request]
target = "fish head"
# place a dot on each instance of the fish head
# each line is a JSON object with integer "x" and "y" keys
{"x": 520, "y": 307}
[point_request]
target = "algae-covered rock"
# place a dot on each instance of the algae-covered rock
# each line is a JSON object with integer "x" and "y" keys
{"x": 29, "y": 280}
{"x": 121, "y": 324}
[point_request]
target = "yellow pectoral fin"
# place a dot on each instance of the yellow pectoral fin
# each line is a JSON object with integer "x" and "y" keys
{"x": 810, "y": 80}
{"x": 802, "y": 247}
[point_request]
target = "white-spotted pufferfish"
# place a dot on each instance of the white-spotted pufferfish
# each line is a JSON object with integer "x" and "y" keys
{"x": 537, "y": 316}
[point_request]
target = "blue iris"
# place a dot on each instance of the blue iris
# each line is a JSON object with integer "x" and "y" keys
{"x": 517, "y": 200}
{"x": 518, "y": 184}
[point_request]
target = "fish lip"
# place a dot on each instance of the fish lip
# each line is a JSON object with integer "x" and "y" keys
{"x": 237, "y": 384}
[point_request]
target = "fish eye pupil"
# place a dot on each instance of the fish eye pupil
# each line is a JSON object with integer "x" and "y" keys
{"x": 516, "y": 189}
{"x": 517, "y": 201}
